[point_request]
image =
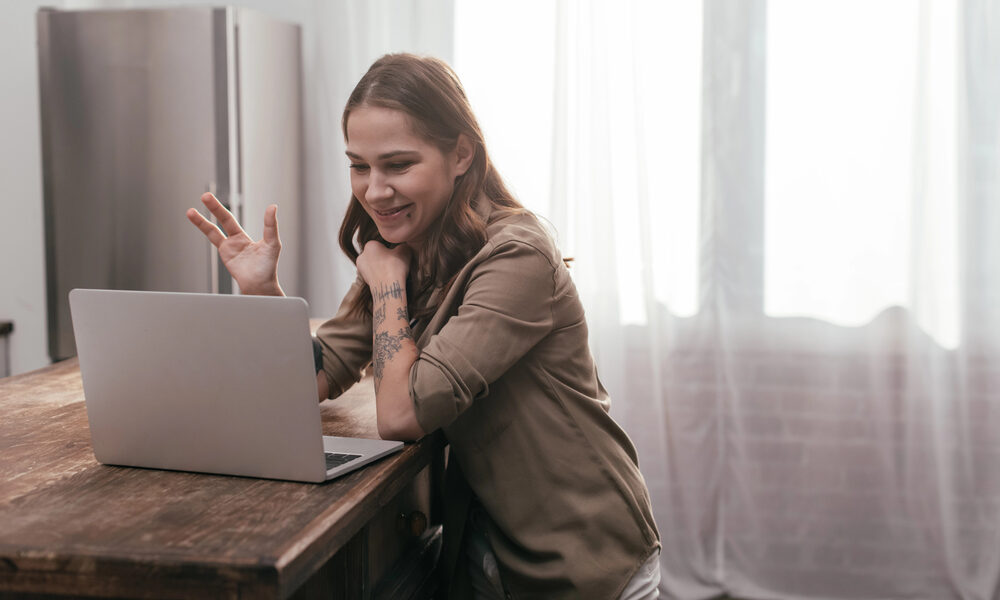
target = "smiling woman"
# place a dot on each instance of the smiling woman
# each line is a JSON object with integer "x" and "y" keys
{"x": 402, "y": 181}
{"x": 472, "y": 325}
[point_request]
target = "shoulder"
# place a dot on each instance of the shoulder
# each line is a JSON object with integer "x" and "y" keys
{"x": 519, "y": 233}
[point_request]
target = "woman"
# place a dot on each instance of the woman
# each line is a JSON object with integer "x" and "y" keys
{"x": 472, "y": 325}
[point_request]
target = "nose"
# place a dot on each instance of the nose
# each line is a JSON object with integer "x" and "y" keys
{"x": 378, "y": 188}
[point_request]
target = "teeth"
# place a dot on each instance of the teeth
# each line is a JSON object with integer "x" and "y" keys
{"x": 394, "y": 211}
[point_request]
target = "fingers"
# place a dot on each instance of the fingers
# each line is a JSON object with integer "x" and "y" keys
{"x": 271, "y": 225}
{"x": 212, "y": 232}
{"x": 373, "y": 245}
{"x": 226, "y": 220}
{"x": 229, "y": 225}
{"x": 381, "y": 250}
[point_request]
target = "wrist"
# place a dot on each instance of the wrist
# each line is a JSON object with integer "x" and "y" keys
{"x": 270, "y": 289}
{"x": 388, "y": 289}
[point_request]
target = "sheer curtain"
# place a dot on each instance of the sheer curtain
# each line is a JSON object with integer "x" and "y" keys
{"x": 785, "y": 221}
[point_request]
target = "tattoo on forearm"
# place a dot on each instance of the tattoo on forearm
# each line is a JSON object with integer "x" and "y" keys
{"x": 393, "y": 290}
{"x": 386, "y": 347}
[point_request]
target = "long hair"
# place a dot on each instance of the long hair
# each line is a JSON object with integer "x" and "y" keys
{"x": 429, "y": 92}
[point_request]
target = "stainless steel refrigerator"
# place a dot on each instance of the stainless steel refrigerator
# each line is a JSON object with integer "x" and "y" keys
{"x": 142, "y": 111}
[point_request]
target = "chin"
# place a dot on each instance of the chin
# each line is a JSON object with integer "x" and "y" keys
{"x": 394, "y": 237}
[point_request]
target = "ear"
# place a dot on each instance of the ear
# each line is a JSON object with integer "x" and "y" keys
{"x": 463, "y": 154}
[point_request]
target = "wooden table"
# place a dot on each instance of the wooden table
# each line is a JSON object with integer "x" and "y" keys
{"x": 72, "y": 527}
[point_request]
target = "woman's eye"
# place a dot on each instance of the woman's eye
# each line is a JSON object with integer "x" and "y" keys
{"x": 359, "y": 168}
{"x": 400, "y": 166}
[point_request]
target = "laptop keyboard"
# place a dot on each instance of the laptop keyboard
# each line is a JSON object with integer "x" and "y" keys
{"x": 335, "y": 459}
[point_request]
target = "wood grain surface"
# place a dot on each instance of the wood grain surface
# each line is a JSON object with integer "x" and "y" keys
{"x": 69, "y": 525}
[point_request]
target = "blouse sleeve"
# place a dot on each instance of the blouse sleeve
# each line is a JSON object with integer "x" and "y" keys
{"x": 506, "y": 310}
{"x": 346, "y": 341}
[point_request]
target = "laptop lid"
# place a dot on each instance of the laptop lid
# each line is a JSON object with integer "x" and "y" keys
{"x": 200, "y": 382}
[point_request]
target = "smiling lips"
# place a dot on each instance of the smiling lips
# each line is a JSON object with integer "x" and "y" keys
{"x": 392, "y": 212}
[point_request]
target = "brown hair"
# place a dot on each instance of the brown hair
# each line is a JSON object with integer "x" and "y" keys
{"x": 429, "y": 92}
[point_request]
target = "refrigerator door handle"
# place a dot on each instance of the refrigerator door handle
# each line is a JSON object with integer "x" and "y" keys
{"x": 221, "y": 282}
{"x": 213, "y": 260}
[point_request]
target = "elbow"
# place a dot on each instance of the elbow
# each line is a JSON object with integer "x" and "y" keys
{"x": 400, "y": 425}
{"x": 399, "y": 432}
{"x": 386, "y": 431}
{"x": 395, "y": 414}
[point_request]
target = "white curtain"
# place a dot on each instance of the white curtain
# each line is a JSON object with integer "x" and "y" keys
{"x": 785, "y": 219}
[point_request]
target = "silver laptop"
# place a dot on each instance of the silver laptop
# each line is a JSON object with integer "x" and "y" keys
{"x": 209, "y": 383}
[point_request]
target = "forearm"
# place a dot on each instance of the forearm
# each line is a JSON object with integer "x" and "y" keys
{"x": 322, "y": 386}
{"x": 393, "y": 354}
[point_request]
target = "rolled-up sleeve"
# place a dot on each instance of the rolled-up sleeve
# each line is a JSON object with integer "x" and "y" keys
{"x": 506, "y": 309}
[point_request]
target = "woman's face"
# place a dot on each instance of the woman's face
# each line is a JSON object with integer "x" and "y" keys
{"x": 403, "y": 181}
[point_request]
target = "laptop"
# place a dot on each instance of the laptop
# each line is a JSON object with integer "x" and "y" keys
{"x": 214, "y": 383}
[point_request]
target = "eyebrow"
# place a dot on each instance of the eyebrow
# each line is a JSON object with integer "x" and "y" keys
{"x": 383, "y": 156}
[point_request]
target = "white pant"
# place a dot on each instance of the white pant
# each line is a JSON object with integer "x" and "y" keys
{"x": 643, "y": 585}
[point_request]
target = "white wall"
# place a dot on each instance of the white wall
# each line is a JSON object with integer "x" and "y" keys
{"x": 340, "y": 38}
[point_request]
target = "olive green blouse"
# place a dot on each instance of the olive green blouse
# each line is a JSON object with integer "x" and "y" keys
{"x": 506, "y": 372}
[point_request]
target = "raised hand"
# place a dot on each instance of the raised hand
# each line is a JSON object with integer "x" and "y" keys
{"x": 253, "y": 264}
